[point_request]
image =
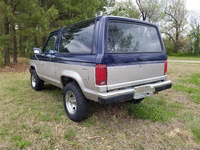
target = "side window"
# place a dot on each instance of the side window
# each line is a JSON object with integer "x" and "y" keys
{"x": 77, "y": 38}
{"x": 51, "y": 44}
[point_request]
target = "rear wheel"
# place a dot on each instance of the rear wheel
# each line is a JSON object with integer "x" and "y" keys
{"x": 75, "y": 103}
{"x": 36, "y": 82}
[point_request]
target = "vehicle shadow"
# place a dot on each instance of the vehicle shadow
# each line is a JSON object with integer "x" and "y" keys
{"x": 96, "y": 110}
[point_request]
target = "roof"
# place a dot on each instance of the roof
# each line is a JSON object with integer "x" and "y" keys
{"x": 109, "y": 18}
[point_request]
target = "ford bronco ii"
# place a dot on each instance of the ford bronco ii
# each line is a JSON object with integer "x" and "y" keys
{"x": 105, "y": 59}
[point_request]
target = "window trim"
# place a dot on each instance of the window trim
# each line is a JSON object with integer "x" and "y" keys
{"x": 52, "y": 34}
{"x": 71, "y": 25}
{"x": 137, "y": 23}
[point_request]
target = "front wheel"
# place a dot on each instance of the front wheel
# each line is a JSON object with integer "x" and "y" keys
{"x": 75, "y": 103}
{"x": 36, "y": 82}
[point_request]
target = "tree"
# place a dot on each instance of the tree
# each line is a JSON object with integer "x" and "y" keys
{"x": 26, "y": 24}
{"x": 126, "y": 9}
{"x": 14, "y": 5}
{"x": 6, "y": 13}
{"x": 149, "y": 9}
{"x": 195, "y": 36}
{"x": 175, "y": 22}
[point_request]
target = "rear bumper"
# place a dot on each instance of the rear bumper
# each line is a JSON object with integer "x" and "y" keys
{"x": 133, "y": 93}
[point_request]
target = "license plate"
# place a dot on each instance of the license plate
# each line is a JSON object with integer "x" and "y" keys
{"x": 142, "y": 91}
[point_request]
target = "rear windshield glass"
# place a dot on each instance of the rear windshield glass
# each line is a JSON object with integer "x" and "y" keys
{"x": 125, "y": 37}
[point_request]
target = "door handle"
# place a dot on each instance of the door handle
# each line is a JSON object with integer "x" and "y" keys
{"x": 42, "y": 54}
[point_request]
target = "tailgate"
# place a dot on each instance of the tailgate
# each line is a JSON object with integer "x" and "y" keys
{"x": 133, "y": 74}
{"x": 135, "y": 54}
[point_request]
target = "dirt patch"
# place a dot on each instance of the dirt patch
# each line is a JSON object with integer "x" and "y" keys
{"x": 21, "y": 66}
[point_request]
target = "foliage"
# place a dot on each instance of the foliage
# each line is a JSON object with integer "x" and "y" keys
{"x": 150, "y": 10}
{"x": 194, "y": 36}
{"x": 183, "y": 54}
{"x": 169, "y": 46}
{"x": 126, "y": 9}
{"x": 26, "y": 24}
{"x": 175, "y": 22}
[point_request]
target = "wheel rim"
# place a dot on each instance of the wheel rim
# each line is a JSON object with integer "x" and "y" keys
{"x": 71, "y": 103}
{"x": 33, "y": 80}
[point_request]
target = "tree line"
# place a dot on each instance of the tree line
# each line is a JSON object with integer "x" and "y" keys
{"x": 26, "y": 24}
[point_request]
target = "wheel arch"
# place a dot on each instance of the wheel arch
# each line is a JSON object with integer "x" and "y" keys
{"x": 65, "y": 80}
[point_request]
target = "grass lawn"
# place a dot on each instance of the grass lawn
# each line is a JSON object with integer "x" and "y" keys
{"x": 184, "y": 58}
{"x": 37, "y": 120}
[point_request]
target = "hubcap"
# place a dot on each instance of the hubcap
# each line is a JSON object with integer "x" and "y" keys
{"x": 33, "y": 80}
{"x": 71, "y": 103}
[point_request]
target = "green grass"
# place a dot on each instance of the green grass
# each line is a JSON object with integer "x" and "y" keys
{"x": 89, "y": 122}
{"x": 176, "y": 105}
{"x": 196, "y": 98}
{"x": 23, "y": 144}
{"x": 37, "y": 120}
{"x": 46, "y": 117}
{"x": 19, "y": 142}
{"x": 185, "y": 88}
{"x": 16, "y": 138}
{"x": 154, "y": 112}
{"x": 70, "y": 134}
{"x": 196, "y": 131}
{"x": 192, "y": 123}
{"x": 189, "y": 84}
{"x": 192, "y": 79}
{"x": 184, "y": 58}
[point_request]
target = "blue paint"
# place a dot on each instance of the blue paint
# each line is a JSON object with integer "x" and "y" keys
{"x": 99, "y": 54}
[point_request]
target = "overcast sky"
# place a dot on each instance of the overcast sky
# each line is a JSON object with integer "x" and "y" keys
{"x": 193, "y": 5}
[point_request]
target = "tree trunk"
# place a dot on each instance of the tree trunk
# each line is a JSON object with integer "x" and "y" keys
{"x": 43, "y": 40}
{"x": 177, "y": 47}
{"x": 14, "y": 44}
{"x": 35, "y": 41}
{"x": 6, "y": 48}
{"x": 20, "y": 43}
{"x": 198, "y": 49}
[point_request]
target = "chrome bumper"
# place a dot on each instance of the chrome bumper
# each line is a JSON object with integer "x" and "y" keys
{"x": 133, "y": 93}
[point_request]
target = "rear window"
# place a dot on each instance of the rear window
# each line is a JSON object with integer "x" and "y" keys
{"x": 77, "y": 38}
{"x": 126, "y": 37}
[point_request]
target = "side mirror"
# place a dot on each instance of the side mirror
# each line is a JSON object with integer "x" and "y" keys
{"x": 37, "y": 50}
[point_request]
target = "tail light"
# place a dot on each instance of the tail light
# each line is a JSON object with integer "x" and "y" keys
{"x": 101, "y": 74}
{"x": 165, "y": 67}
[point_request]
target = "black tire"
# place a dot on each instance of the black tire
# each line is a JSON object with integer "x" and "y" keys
{"x": 36, "y": 83}
{"x": 137, "y": 101}
{"x": 78, "y": 109}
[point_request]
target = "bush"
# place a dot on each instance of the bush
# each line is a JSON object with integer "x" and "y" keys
{"x": 169, "y": 47}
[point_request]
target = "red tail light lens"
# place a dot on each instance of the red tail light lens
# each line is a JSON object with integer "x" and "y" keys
{"x": 101, "y": 74}
{"x": 165, "y": 67}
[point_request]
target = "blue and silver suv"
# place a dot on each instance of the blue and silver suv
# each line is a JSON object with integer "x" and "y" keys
{"x": 105, "y": 59}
